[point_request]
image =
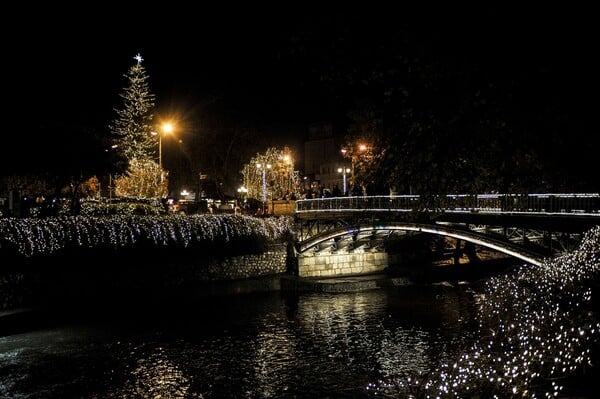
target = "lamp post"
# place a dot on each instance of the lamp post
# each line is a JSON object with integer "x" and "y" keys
{"x": 166, "y": 128}
{"x": 353, "y": 157}
{"x": 243, "y": 191}
{"x": 344, "y": 171}
{"x": 344, "y": 152}
{"x": 288, "y": 163}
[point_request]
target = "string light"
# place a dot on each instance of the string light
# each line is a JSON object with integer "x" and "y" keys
{"x": 38, "y": 237}
{"x": 536, "y": 327}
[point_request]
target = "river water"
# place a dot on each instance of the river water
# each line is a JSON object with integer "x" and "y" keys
{"x": 258, "y": 345}
{"x": 529, "y": 333}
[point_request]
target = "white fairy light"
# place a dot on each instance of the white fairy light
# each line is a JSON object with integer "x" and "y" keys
{"x": 542, "y": 326}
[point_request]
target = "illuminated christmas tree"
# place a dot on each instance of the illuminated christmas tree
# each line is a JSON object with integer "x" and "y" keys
{"x": 132, "y": 128}
{"x": 144, "y": 179}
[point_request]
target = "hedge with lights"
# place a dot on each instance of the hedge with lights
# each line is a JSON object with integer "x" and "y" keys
{"x": 40, "y": 237}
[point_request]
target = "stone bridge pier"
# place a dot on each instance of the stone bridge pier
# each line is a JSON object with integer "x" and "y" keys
{"x": 329, "y": 264}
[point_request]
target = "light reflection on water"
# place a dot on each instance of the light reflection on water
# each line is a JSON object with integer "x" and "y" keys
{"x": 281, "y": 345}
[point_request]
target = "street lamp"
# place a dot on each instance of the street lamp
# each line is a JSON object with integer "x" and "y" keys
{"x": 243, "y": 192}
{"x": 360, "y": 148}
{"x": 263, "y": 169}
{"x": 344, "y": 171}
{"x": 289, "y": 166}
{"x": 166, "y": 128}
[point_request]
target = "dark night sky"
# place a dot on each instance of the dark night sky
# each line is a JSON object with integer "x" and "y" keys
{"x": 66, "y": 66}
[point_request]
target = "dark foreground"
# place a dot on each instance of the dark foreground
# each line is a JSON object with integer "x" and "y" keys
{"x": 280, "y": 344}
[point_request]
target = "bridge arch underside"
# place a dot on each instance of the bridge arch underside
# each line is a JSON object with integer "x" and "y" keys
{"x": 372, "y": 237}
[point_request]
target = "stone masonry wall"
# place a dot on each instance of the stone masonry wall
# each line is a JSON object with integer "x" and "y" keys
{"x": 272, "y": 261}
{"x": 84, "y": 281}
{"x": 330, "y": 265}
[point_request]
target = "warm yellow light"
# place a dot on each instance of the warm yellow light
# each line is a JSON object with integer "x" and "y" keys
{"x": 362, "y": 147}
{"x": 167, "y": 127}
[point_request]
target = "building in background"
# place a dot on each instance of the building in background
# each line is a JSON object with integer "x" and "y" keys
{"x": 322, "y": 157}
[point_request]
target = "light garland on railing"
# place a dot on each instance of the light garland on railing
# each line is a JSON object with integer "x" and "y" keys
{"x": 34, "y": 236}
{"x": 536, "y": 329}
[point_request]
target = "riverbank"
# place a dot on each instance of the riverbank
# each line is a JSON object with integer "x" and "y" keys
{"x": 536, "y": 316}
{"x": 83, "y": 300}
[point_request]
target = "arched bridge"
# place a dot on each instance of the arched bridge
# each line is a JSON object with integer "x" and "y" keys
{"x": 526, "y": 226}
{"x": 368, "y": 236}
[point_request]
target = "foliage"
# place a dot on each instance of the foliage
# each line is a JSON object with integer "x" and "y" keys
{"x": 221, "y": 144}
{"x": 280, "y": 179}
{"x": 122, "y": 207}
{"x": 133, "y": 125}
{"x": 537, "y": 327}
{"x": 225, "y": 157}
{"x": 60, "y": 169}
{"x": 30, "y": 185}
{"x": 442, "y": 121}
{"x": 144, "y": 179}
{"x": 91, "y": 187}
{"x": 38, "y": 237}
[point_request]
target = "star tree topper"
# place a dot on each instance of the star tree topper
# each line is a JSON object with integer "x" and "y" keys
{"x": 138, "y": 58}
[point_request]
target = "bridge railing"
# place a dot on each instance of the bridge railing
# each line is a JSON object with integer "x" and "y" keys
{"x": 585, "y": 203}
{"x": 394, "y": 202}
